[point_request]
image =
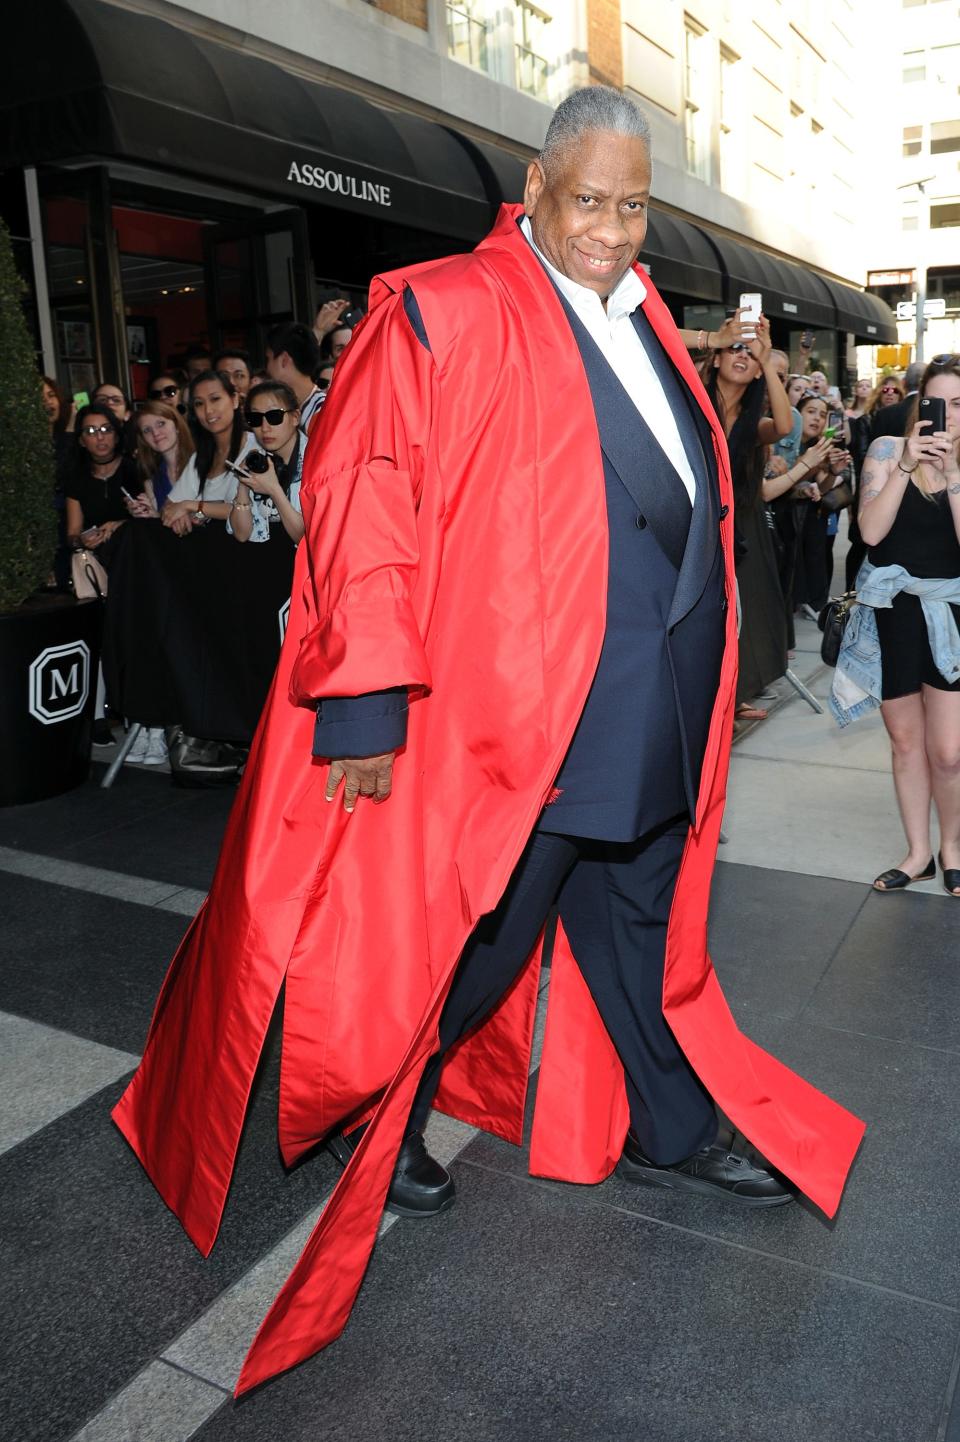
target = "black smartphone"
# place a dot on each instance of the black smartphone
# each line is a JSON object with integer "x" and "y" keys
{"x": 934, "y": 410}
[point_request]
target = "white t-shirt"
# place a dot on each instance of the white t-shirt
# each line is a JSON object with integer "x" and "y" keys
{"x": 217, "y": 488}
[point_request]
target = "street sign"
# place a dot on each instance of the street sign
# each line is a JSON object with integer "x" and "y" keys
{"x": 934, "y": 309}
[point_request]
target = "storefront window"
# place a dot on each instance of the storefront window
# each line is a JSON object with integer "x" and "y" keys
{"x": 68, "y": 278}
{"x": 164, "y": 294}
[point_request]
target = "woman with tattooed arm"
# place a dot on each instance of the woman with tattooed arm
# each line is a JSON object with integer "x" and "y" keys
{"x": 910, "y": 518}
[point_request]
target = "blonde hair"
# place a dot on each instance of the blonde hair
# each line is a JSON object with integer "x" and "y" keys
{"x": 874, "y": 400}
{"x": 147, "y": 458}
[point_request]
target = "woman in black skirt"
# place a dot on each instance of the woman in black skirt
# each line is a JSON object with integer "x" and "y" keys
{"x": 910, "y": 517}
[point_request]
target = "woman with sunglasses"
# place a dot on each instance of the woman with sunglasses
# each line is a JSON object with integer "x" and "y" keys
{"x": 99, "y": 475}
{"x": 208, "y": 484}
{"x": 742, "y": 379}
{"x": 269, "y": 502}
{"x": 910, "y": 520}
{"x": 167, "y": 388}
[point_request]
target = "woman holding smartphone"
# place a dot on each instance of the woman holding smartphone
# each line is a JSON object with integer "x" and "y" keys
{"x": 910, "y": 518}
{"x": 208, "y": 484}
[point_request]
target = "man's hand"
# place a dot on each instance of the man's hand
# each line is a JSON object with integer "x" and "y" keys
{"x": 361, "y": 776}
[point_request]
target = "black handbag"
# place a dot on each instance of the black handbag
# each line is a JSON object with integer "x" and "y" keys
{"x": 833, "y": 622}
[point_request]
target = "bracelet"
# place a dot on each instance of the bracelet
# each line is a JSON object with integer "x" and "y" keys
{"x": 701, "y": 339}
{"x": 241, "y": 506}
{"x": 902, "y": 467}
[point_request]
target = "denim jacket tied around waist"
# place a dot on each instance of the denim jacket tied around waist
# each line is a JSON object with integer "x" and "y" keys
{"x": 857, "y": 680}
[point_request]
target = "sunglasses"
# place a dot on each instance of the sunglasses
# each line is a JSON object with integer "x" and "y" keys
{"x": 945, "y": 360}
{"x": 103, "y": 430}
{"x": 163, "y": 393}
{"x": 889, "y": 390}
{"x": 272, "y": 418}
{"x": 737, "y": 345}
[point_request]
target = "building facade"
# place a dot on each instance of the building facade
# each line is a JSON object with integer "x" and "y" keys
{"x": 918, "y": 237}
{"x": 191, "y": 171}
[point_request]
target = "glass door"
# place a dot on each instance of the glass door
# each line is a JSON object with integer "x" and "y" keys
{"x": 258, "y": 274}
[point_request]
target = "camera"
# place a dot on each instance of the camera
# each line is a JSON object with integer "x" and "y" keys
{"x": 256, "y": 462}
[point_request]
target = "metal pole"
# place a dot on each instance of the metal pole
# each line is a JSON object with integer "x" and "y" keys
{"x": 44, "y": 318}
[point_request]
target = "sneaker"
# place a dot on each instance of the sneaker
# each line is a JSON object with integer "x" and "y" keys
{"x": 137, "y": 753}
{"x": 156, "y": 750}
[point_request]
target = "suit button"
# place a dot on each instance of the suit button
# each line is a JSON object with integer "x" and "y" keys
{"x": 724, "y": 512}
{"x": 641, "y": 522}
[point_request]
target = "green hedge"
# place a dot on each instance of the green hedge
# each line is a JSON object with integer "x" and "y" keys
{"x": 28, "y": 522}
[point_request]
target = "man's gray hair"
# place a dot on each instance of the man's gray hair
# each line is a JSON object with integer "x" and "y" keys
{"x": 595, "y": 107}
{"x": 914, "y": 375}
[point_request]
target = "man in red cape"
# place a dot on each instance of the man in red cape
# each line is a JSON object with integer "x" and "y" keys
{"x": 517, "y": 579}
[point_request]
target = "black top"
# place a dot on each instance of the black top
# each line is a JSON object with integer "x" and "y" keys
{"x": 101, "y": 500}
{"x": 922, "y": 539}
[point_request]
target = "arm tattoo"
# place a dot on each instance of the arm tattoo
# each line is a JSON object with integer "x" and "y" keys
{"x": 872, "y": 494}
{"x": 882, "y": 449}
{"x": 954, "y": 490}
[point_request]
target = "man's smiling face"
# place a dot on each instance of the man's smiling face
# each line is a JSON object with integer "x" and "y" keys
{"x": 588, "y": 211}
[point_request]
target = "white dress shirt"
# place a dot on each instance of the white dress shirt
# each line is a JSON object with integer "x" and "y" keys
{"x": 622, "y": 348}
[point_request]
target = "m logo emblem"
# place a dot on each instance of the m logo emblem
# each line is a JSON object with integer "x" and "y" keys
{"x": 59, "y": 682}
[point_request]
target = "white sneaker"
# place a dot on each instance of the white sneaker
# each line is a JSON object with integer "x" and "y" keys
{"x": 138, "y": 751}
{"x": 156, "y": 753}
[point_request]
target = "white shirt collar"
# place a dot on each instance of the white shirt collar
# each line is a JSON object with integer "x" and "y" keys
{"x": 627, "y": 294}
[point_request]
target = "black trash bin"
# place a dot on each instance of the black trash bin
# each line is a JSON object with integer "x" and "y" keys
{"x": 49, "y": 654}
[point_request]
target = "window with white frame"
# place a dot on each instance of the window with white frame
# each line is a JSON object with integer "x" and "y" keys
{"x": 728, "y": 109}
{"x": 696, "y": 95}
{"x": 467, "y": 32}
{"x": 531, "y": 48}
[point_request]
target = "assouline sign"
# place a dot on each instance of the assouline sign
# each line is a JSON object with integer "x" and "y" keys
{"x": 317, "y": 177}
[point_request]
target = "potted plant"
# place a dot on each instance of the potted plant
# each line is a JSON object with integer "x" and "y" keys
{"x": 49, "y": 645}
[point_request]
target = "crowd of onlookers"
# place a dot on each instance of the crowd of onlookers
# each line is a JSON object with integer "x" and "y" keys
{"x": 796, "y": 449}
{"x": 221, "y": 439}
{"x": 218, "y": 439}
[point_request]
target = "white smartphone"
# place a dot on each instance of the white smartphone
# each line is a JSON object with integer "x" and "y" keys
{"x": 751, "y": 307}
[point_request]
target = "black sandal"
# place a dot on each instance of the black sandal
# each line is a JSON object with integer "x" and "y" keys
{"x": 896, "y": 880}
{"x": 951, "y": 877}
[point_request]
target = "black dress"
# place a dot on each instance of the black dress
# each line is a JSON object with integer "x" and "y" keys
{"x": 763, "y": 630}
{"x": 922, "y": 539}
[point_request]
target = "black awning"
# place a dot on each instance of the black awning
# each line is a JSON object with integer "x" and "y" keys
{"x": 680, "y": 258}
{"x": 868, "y": 317}
{"x": 93, "y": 79}
{"x": 790, "y": 292}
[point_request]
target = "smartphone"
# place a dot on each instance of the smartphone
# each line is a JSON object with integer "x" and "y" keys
{"x": 237, "y": 470}
{"x": 934, "y": 410}
{"x": 751, "y": 305}
{"x": 806, "y": 340}
{"x": 81, "y": 399}
{"x": 126, "y": 494}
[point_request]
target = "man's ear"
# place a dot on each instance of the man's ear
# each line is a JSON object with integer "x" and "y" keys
{"x": 536, "y": 180}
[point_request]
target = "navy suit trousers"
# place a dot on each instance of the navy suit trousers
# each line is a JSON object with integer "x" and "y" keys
{"x": 614, "y": 901}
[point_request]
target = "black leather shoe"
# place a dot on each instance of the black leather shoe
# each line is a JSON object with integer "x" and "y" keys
{"x": 725, "y": 1169}
{"x": 421, "y": 1187}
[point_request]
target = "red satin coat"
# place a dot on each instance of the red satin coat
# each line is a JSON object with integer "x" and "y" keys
{"x": 455, "y": 544}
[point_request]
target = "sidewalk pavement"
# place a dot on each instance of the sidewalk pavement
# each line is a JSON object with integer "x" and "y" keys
{"x": 532, "y": 1310}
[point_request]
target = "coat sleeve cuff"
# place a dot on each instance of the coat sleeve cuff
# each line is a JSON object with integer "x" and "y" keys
{"x": 368, "y": 725}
